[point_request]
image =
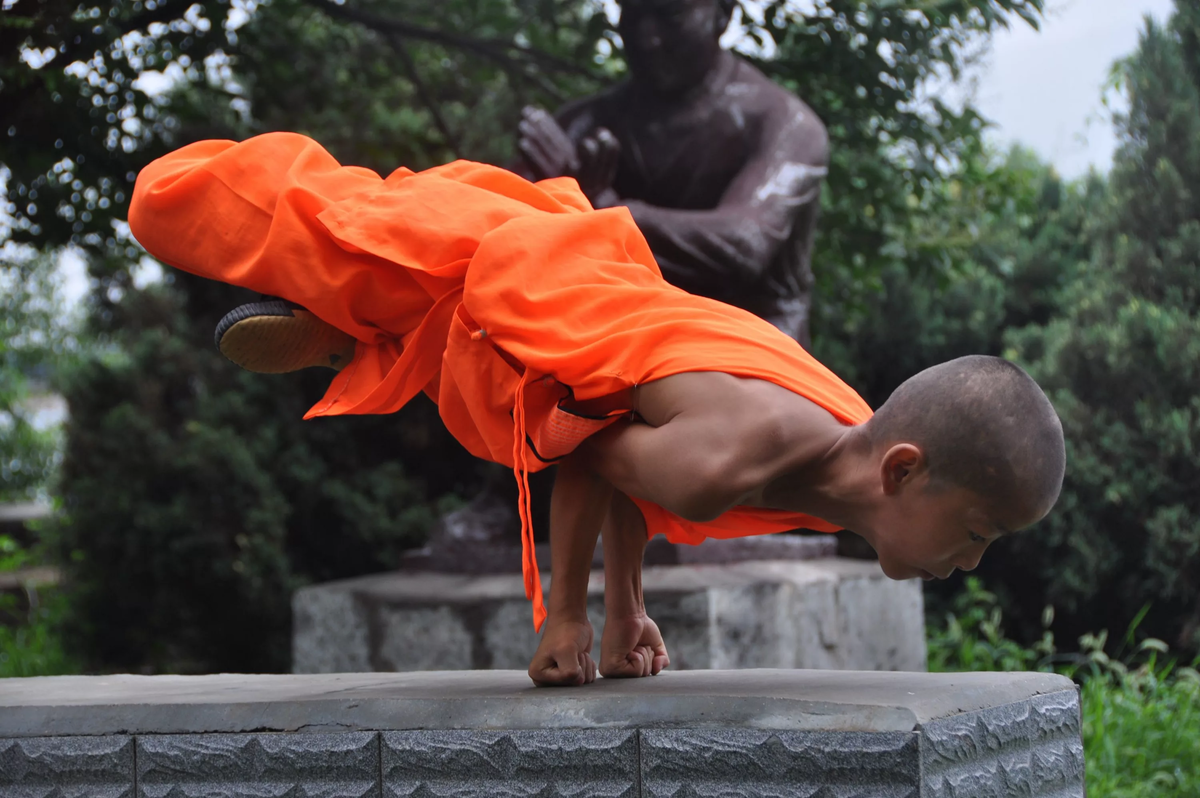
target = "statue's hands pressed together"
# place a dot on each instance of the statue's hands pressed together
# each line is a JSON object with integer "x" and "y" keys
{"x": 599, "y": 157}
{"x": 550, "y": 152}
{"x": 546, "y": 146}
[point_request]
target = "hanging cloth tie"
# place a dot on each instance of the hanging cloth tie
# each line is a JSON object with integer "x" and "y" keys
{"x": 529, "y": 566}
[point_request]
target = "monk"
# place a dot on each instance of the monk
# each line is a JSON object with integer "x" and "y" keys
{"x": 546, "y": 333}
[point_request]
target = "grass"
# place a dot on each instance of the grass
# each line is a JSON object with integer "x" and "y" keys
{"x": 1140, "y": 709}
{"x": 33, "y": 646}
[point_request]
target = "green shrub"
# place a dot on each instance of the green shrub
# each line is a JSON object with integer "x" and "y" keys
{"x": 1121, "y": 361}
{"x": 31, "y": 638}
{"x": 1140, "y": 711}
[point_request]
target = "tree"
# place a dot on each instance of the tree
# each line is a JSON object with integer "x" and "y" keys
{"x": 1121, "y": 363}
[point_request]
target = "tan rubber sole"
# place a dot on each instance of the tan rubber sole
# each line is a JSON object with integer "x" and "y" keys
{"x": 275, "y": 338}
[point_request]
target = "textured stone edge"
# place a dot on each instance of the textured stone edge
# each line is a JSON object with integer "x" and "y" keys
{"x": 1031, "y": 747}
{"x": 745, "y": 762}
{"x": 321, "y": 765}
{"x": 581, "y": 762}
{"x": 98, "y": 767}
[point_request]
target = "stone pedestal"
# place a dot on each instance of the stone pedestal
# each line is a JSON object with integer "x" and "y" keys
{"x": 786, "y": 734}
{"x": 827, "y": 613}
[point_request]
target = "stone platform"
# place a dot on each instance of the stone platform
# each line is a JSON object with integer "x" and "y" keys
{"x": 728, "y": 733}
{"x": 826, "y": 613}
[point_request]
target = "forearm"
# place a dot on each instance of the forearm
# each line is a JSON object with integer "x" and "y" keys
{"x": 706, "y": 250}
{"x": 624, "y": 546}
{"x": 577, "y": 508}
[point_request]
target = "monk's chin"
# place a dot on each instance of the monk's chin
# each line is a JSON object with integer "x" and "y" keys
{"x": 901, "y": 571}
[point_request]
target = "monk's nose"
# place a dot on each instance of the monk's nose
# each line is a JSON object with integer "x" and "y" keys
{"x": 969, "y": 563}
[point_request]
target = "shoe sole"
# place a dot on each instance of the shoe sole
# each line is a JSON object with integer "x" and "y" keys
{"x": 278, "y": 337}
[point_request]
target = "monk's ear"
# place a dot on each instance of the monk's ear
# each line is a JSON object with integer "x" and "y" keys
{"x": 902, "y": 463}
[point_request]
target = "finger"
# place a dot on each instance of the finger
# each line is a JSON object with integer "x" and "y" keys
{"x": 610, "y": 155}
{"x": 536, "y": 157}
{"x": 647, "y": 659}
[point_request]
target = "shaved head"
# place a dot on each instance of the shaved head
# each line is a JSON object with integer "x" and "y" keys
{"x": 983, "y": 424}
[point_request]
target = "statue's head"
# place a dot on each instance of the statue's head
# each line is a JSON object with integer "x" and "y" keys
{"x": 672, "y": 44}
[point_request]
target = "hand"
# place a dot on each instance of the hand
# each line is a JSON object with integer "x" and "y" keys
{"x": 546, "y": 146}
{"x": 632, "y": 647}
{"x": 564, "y": 656}
{"x": 600, "y": 154}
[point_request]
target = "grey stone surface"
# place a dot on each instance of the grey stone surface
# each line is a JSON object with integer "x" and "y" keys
{"x": 784, "y": 700}
{"x": 830, "y": 613}
{"x": 67, "y": 767}
{"x": 742, "y": 762}
{"x": 519, "y": 763}
{"x": 230, "y": 765}
{"x": 1031, "y": 747}
{"x": 489, "y": 733}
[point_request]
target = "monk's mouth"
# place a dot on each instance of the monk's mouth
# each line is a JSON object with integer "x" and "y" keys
{"x": 928, "y": 577}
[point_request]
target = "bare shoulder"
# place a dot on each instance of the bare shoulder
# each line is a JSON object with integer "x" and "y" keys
{"x": 766, "y": 420}
{"x": 786, "y": 117}
{"x": 738, "y": 409}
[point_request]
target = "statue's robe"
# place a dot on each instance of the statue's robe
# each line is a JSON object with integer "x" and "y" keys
{"x": 507, "y": 302}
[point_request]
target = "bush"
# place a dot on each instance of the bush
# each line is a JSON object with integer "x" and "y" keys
{"x": 1140, "y": 711}
{"x": 1121, "y": 361}
{"x": 30, "y": 637}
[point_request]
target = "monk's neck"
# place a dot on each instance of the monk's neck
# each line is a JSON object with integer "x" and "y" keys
{"x": 840, "y": 486}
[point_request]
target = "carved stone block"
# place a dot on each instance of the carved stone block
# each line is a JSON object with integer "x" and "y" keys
{"x": 480, "y": 764}
{"x": 342, "y": 765}
{"x": 67, "y": 767}
{"x": 1033, "y": 747}
{"x": 696, "y": 763}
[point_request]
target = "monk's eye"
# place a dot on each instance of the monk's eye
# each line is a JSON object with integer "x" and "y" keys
{"x": 975, "y": 538}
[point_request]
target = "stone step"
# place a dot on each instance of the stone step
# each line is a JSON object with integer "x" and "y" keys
{"x": 492, "y": 733}
{"x": 826, "y": 613}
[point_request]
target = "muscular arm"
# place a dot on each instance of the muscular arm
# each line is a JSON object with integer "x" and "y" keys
{"x": 707, "y": 444}
{"x": 779, "y": 188}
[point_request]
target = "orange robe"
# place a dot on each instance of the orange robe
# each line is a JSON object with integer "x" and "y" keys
{"x": 497, "y": 297}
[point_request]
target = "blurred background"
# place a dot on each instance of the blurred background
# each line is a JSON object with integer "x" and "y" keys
{"x": 1008, "y": 177}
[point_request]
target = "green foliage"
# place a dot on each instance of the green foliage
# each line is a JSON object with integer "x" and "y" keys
{"x": 1140, "y": 712}
{"x": 994, "y": 250}
{"x": 35, "y": 646}
{"x": 34, "y": 343}
{"x": 973, "y": 637}
{"x": 30, "y": 637}
{"x": 1121, "y": 361}
{"x": 861, "y": 66}
{"x": 1142, "y": 733}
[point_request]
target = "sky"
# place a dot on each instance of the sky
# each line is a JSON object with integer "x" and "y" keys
{"x": 1044, "y": 89}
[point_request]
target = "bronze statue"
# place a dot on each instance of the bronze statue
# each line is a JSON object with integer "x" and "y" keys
{"x": 720, "y": 167}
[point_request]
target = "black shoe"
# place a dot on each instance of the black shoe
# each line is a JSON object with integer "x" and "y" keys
{"x": 275, "y": 336}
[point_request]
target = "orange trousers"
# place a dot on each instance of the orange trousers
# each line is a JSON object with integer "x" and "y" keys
{"x": 497, "y": 297}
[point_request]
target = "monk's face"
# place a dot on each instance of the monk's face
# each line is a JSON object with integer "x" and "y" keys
{"x": 928, "y": 530}
{"x": 671, "y": 44}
